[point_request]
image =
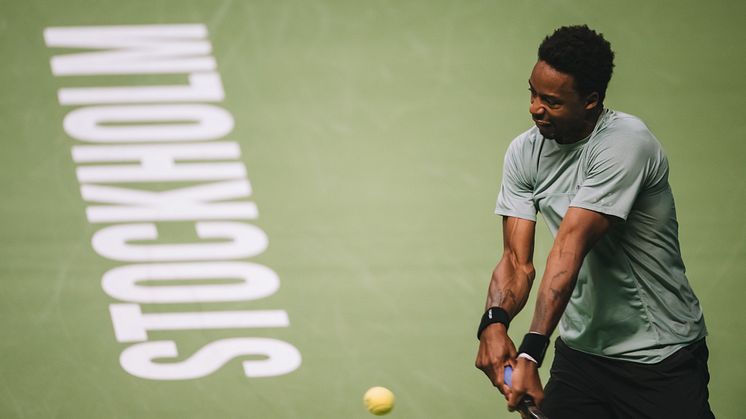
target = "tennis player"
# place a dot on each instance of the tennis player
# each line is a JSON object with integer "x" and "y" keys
{"x": 631, "y": 331}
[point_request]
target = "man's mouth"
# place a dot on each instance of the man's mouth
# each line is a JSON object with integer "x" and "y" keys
{"x": 541, "y": 123}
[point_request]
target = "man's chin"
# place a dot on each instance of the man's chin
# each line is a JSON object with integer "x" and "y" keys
{"x": 546, "y": 132}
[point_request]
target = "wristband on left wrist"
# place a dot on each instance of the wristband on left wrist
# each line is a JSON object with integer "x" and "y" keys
{"x": 535, "y": 346}
{"x": 491, "y": 316}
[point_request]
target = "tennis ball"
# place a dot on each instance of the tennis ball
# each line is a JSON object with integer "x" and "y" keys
{"x": 379, "y": 400}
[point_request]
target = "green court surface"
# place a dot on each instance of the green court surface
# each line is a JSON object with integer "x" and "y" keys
{"x": 372, "y": 134}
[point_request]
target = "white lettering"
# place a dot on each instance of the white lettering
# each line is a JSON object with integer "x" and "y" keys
{"x": 242, "y": 240}
{"x": 175, "y": 173}
{"x": 158, "y": 163}
{"x": 121, "y": 123}
{"x": 256, "y": 281}
{"x": 145, "y": 49}
{"x": 156, "y": 155}
{"x": 282, "y": 358}
{"x": 190, "y": 203}
{"x": 167, "y": 132}
{"x": 132, "y": 325}
{"x": 203, "y": 87}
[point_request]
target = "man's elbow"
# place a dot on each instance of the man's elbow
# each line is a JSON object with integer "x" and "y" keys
{"x": 513, "y": 262}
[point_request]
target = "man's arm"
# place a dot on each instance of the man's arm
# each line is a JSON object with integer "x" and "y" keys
{"x": 508, "y": 289}
{"x": 514, "y": 273}
{"x": 578, "y": 233}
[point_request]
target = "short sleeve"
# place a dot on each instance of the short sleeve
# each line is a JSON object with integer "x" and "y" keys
{"x": 616, "y": 174}
{"x": 517, "y": 189}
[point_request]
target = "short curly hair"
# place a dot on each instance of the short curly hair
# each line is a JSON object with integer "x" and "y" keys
{"x": 582, "y": 53}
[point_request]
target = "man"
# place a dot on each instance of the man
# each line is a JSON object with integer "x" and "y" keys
{"x": 632, "y": 334}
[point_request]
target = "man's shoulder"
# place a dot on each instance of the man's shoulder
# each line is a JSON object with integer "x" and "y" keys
{"x": 525, "y": 141}
{"x": 623, "y": 130}
{"x": 620, "y": 123}
{"x": 625, "y": 139}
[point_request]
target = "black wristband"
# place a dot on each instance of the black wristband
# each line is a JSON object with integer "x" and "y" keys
{"x": 493, "y": 315}
{"x": 534, "y": 345}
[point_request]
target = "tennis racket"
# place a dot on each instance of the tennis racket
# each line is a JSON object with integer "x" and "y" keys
{"x": 526, "y": 406}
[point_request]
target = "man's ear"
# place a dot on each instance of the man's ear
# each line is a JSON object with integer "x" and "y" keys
{"x": 592, "y": 100}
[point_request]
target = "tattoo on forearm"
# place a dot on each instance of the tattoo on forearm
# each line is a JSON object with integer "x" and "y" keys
{"x": 511, "y": 296}
{"x": 540, "y": 314}
{"x": 558, "y": 274}
{"x": 503, "y": 295}
{"x": 557, "y": 294}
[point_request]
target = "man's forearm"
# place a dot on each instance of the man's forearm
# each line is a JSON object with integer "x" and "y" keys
{"x": 578, "y": 233}
{"x": 555, "y": 289}
{"x": 510, "y": 285}
{"x": 514, "y": 273}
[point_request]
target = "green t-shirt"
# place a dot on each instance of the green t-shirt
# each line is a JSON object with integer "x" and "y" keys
{"x": 632, "y": 300}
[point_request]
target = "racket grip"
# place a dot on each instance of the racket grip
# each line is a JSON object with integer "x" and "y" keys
{"x": 526, "y": 406}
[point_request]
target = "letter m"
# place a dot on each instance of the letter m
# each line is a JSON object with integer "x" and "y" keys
{"x": 142, "y": 49}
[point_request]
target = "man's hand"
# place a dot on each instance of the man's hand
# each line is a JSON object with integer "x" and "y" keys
{"x": 495, "y": 351}
{"x": 525, "y": 381}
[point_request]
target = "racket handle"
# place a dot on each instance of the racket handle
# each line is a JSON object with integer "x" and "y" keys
{"x": 526, "y": 406}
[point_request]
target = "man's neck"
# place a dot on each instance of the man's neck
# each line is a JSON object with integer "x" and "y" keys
{"x": 588, "y": 126}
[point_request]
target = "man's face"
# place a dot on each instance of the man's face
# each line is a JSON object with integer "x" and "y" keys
{"x": 556, "y": 107}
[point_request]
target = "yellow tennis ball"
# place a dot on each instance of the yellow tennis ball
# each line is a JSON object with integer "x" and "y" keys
{"x": 379, "y": 400}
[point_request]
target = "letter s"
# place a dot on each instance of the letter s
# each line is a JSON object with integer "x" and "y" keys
{"x": 138, "y": 359}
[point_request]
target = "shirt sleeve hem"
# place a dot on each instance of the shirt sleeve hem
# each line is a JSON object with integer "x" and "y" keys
{"x": 601, "y": 209}
{"x": 515, "y": 214}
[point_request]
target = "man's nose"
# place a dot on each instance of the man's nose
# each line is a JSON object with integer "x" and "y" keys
{"x": 537, "y": 111}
